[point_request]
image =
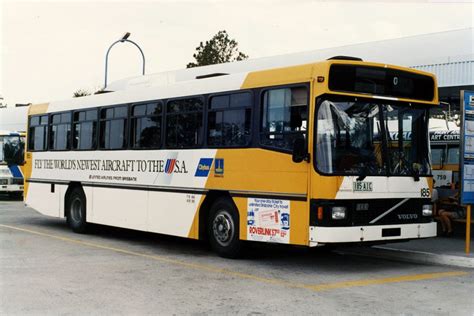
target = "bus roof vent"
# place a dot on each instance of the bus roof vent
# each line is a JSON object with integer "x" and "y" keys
{"x": 345, "y": 58}
{"x": 217, "y": 74}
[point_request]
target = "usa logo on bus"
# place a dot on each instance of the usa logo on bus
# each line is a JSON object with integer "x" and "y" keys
{"x": 169, "y": 167}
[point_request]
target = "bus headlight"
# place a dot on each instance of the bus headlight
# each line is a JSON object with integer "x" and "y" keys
{"x": 427, "y": 210}
{"x": 338, "y": 212}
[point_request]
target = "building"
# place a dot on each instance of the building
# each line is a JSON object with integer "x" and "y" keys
{"x": 13, "y": 118}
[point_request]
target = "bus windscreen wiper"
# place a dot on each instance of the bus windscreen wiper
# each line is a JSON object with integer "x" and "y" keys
{"x": 363, "y": 173}
{"x": 416, "y": 171}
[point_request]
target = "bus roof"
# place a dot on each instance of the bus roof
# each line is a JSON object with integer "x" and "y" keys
{"x": 11, "y": 133}
{"x": 238, "y": 67}
{"x": 193, "y": 82}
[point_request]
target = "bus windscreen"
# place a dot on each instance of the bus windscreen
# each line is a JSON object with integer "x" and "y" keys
{"x": 381, "y": 81}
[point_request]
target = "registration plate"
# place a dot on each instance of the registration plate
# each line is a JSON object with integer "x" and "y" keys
{"x": 360, "y": 186}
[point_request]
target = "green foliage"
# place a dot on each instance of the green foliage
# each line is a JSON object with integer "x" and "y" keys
{"x": 219, "y": 49}
{"x": 80, "y": 93}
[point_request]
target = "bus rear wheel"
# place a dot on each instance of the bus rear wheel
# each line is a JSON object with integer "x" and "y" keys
{"x": 223, "y": 229}
{"x": 76, "y": 211}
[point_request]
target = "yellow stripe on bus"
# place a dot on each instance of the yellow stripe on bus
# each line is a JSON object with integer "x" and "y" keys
{"x": 36, "y": 109}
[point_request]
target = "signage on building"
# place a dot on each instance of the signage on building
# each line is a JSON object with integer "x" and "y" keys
{"x": 467, "y": 147}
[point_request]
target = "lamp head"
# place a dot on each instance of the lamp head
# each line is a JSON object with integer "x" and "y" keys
{"x": 125, "y": 36}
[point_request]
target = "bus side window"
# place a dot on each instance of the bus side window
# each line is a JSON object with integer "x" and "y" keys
{"x": 38, "y": 133}
{"x": 85, "y": 130}
{"x": 184, "y": 123}
{"x": 60, "y": 131}
{"x": 113, "y": 127}
{"x": 229, "y": 120}
{"x": 146, "y": 125}
{"x": 284, "y": 117}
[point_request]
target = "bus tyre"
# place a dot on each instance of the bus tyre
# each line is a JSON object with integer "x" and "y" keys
{"x": 76, "y": 211}
{"x": 223, "y": 229}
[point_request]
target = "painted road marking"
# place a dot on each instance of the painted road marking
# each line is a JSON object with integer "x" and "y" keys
{"x": 402, "y": 278}
{"x": 209, "y": 268}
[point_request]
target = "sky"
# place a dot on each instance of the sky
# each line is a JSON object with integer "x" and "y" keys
{"x": 49, "y": 49}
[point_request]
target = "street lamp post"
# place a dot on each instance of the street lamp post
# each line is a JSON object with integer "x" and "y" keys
{"x": 122, "y": 40}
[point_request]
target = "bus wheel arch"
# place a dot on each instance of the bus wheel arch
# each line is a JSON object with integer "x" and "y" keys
{"x": 205, "y": 208}
{"x": 75, "y": 208}
{"x": 221, "y": 224}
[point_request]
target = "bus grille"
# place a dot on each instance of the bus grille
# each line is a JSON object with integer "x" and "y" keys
{"x": 407, "y": 212}
{"x": 370, "y": 211}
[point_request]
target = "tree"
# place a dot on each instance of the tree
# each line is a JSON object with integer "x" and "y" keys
{"x": 80, "y": 93}
{"x": 219, "y": 49}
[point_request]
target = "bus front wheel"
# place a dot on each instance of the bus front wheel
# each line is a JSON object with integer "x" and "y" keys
{"x": 223, "y": 229}
{"x": 76, "y": 211}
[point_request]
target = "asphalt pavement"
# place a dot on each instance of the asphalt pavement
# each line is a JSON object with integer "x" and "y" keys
{"x": 449, "y": 251}
{"x": 47, "y": 269}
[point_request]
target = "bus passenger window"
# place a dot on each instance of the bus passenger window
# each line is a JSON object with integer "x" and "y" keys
{"x": 85, "y": 130}
{"x": 60, "y": 131}
{"x": 229, "y": 120}
{"x": 146, "y": 125}
{"x": 38, "y": 133}
{"x": 113, "y": 127}
{"x": 284, "y": 117}
{"x": 184, "y": 123}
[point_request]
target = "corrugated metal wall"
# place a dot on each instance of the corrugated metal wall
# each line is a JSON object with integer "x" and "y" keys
{"x": 460, "y": 73}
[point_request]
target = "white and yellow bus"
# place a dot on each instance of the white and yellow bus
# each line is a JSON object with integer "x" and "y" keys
{"x": 297, "y": 155}
{"x": 12, "y": 152}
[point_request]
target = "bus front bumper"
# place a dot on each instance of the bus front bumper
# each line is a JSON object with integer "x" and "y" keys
{"x": 329, "y": 235}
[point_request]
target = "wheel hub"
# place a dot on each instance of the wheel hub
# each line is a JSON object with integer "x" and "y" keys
{"x": 76, "y": 210}
{"x": 223, "y": 228}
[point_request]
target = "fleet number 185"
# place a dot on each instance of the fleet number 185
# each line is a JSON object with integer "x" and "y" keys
{"x": 425, "y": 192}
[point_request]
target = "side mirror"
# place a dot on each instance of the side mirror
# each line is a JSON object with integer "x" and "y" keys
{"x": 299, "y": 150}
